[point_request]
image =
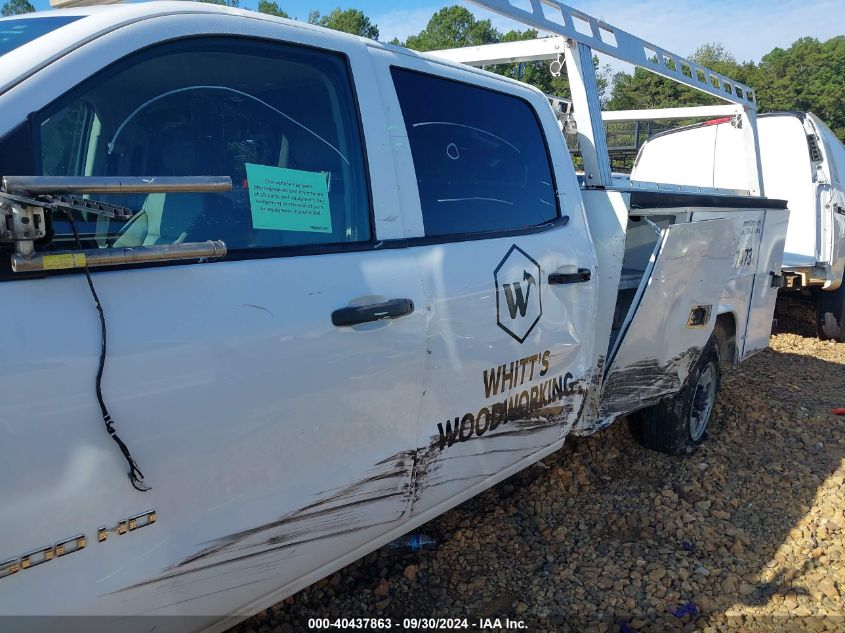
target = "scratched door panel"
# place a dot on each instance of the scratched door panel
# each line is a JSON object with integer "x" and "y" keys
{"x": 501, "y": 383}
{"x": 658, "y": 347}
{"x": 273, "y": 441}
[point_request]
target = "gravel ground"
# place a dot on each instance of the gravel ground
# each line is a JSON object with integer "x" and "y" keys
{"x": 747, "y": 534}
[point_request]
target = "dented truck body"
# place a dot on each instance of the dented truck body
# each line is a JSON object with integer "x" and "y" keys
{"x": 801, "y": 163}
{"x": 455, "y": 305}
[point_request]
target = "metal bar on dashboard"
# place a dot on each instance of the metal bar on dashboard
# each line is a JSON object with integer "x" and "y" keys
{"x": 64, "y": 260}
{"x": 44, "y": 185}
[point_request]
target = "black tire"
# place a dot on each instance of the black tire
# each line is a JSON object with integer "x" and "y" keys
{"x": 668, "y": 425}
{"x": 830, "y": 314}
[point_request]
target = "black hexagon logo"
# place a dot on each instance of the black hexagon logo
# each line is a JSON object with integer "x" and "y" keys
{"x": 519, "y": 305}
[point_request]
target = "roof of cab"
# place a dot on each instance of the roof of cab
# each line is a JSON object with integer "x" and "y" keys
{"x": 98, "y": 20}
{"x": 118, "y": 14}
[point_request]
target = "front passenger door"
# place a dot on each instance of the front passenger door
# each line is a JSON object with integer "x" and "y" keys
{"x": 260, "y": 404}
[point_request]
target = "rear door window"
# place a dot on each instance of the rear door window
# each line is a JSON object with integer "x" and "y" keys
{"x": 480, "y": 156}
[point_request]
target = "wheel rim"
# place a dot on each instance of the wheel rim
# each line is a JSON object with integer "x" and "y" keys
{"x": 703, "y": 399}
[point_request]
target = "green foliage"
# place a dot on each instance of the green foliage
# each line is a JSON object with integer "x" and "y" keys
{"x": 644, "y": 89}
{"x": 16, "y": 7}
{"x": 808, "y": 76}
{"x": 227, "y": 3}
{"x": 453, "y": 27}
{"x": 349, "y": 21}
{"x": 271, "y": 8}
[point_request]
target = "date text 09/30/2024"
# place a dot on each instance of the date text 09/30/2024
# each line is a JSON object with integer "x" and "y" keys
{"x": 424, "y": 624}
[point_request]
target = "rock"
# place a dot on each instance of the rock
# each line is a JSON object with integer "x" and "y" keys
{"x": 826, "y": 586}
{"x": 383, "y": 588}
{"x": 411, "y": 572}
{"x": 746, "y": 589}
{"x": 703, "y": 506}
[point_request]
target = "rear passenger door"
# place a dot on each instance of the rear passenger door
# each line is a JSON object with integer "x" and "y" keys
{"x": 507, "y": 264}
{"x": 262, "y": 411}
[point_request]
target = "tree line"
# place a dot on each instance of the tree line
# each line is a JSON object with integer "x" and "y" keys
{"x": 807, "y": 76}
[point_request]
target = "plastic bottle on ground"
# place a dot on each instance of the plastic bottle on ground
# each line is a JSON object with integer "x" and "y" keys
{"x": 413, "y": 543}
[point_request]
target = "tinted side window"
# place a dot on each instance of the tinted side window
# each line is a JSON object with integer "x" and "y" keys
{"x": 480, "y": 156}
{"x": 281, "y": 121}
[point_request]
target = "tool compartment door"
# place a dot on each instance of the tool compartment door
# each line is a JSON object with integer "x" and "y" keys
{"x": 764, "y": 294}
{"x": 674, "y": 317}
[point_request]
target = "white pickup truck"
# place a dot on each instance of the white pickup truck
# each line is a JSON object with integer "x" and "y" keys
{"x": 803, "y": 162}
{"x": 345, "y": 287}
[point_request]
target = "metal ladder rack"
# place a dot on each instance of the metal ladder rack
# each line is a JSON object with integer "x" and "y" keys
{"x": 577, "y": 36}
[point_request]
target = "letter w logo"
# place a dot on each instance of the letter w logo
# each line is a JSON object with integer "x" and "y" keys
{"x": 517, "y": 301}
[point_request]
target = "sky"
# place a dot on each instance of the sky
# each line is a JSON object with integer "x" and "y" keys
{"x": 748, "y": 29}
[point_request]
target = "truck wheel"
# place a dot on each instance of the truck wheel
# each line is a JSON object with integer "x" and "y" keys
{"x": 678, "y": 425}
{"x": 830, "y": 314}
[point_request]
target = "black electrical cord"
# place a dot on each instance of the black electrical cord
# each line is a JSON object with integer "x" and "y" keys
{"x": 136, "y": 477}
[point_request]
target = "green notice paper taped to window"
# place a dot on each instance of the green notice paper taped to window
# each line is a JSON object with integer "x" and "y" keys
{"x": 288, "y": 199}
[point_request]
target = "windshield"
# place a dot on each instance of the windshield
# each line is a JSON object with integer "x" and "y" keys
{"x": 18, "y": 31}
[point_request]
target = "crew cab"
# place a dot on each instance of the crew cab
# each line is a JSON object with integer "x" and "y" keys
{"x": 802, "y": 163}
{"x": 309, "y": 291}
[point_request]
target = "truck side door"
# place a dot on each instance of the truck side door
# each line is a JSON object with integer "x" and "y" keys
{"x": 507, "y": 264}
{"x": 832, "y": 204}
{"x": 772, "y": 225}
{"x": 672, "y": 315}
{"x": 273, "y": 425}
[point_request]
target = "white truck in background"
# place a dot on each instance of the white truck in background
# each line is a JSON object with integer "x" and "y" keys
{"x": 803, "y": 162}
{"x": 344, "y": 287}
